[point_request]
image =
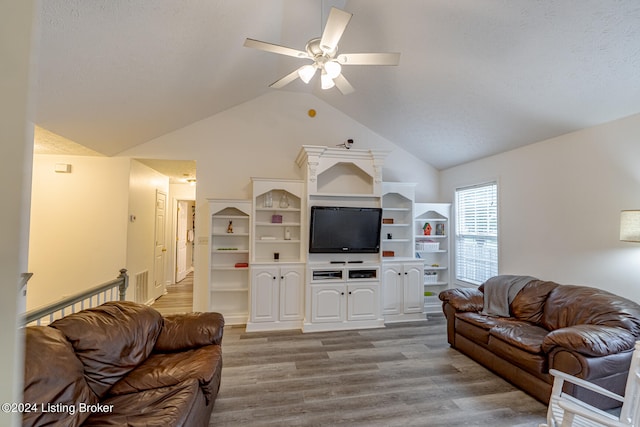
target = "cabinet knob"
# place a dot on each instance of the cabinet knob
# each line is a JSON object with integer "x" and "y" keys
{"x": 399, "y": 273}
{"x": 274, "y": 277}
{"x": 341, "y": 293}
{"x": 349, "y": 292}
{"x": 405, "y": 273}
{"x": 282, "y": 277}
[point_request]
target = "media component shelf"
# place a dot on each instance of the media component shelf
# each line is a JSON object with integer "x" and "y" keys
{"x": 343, "y": 296}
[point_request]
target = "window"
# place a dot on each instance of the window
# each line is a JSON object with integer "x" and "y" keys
{"x": 477, "y": 233}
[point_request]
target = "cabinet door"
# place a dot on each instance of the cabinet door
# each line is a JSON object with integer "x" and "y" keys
{"x": 264, "y": 294}
{"x": 291, "y": 293}
{"x": 392, "y": 289}
{"x": 362, "y": 302}
{"x": 413, "y": 288}
{"x": 328, "y": 303}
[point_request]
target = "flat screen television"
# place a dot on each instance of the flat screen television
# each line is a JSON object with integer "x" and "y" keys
{"x": 339, "y": 229}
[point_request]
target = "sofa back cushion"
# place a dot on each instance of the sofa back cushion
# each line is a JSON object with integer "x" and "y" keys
{"x": 528, "y": 304}
{"x": 53, "y": 380}
{"x": 570, "y": 305}
{"x": 111, "y": 340}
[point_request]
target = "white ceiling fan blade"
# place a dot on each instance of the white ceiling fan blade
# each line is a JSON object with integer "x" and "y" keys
{"x": 333, "y": 29}
{"x": 285, "y": 80}
{"x": 343, "y": 85}
{"x": 369, "y": 58}
{"x": 275, "y": 48}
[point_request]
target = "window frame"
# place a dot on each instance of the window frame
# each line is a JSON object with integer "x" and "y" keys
{"x": 491, "y": 234}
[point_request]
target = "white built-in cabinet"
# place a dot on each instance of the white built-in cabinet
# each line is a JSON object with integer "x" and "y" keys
{"x": 229, "y": 258}
{"x": 342, "y": 295}
{"x": 402, "y": 291}
{"x": 402, "y": 273}
{"x": 343, "y": 289}
{"x": 277, "y": 297}
{"x": 277, "y": 269}
{"x": 434, "y": 249}
{"x": 263, "y": 276}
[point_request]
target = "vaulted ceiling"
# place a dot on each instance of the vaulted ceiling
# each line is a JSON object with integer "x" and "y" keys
{"x": 476, "y": 77}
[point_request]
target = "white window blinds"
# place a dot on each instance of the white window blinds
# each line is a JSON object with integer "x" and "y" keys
{"x": 477, "y": 233}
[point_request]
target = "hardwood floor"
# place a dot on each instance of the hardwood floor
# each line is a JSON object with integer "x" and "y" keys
{"x": 178, "y": 299}
{"x": 401, "y": 375}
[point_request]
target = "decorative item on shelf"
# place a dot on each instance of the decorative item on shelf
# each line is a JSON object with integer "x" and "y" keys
{"x": 389, "y": 236}
{"x": 387, "y": 220}
{"x": 241, "y": 265}
{"x": 428, "y": 294}
{"x": 388, "y": 253}
{"x": 276, "y": 219}
{"x": 287, "y": 234}
{"x": 430, "y": 277}
{"x": 427, "y": 229}
{"x": 230, "y": 227}
{"x": 427, "y": 246}
{"x": 268, "y": 200}
{"x": 439, "y": 229}
{"x": 284, "y": 201}
{"x": 276, "y": 256}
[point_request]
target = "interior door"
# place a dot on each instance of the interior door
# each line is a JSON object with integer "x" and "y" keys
{"x": 160, "y": 251}
{"x": 181, "y": 240}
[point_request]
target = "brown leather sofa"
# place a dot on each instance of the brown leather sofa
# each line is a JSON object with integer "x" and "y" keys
{"x": 584, "y": 331}
{"x": 122, "y": 363}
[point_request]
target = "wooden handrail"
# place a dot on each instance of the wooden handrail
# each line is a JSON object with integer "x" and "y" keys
{"x": 122, "y": 282}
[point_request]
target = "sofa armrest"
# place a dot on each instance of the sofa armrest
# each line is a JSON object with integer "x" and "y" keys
{"x": 590, "y": 340}
{"x": 189, "y": 330}
{"x": 463, "y": 299}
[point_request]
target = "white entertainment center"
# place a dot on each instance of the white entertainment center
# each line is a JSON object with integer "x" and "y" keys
{"x": 289, "y": 285}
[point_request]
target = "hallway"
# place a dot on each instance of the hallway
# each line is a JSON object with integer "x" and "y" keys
{"x": 178, "y": 299}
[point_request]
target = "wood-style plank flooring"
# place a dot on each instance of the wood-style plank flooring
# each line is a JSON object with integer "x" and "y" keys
{"x": 401, "y": 375}
{"x": 178, "y": 299}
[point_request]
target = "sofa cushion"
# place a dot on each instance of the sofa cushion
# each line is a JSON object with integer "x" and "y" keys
{"x": 111, "y": 340}
{"x": 524, "y": 336}
{"x": 190, "y": 330}
{"x": 161, "y": 407}
{"x": 535, "y": 364}
{"x": 476, "y": 326}
{"x": 159, "y": 370}
{"x": 53, "y": 377}
{"x": 528, "y": 304}
{"x": 570, "y": 305}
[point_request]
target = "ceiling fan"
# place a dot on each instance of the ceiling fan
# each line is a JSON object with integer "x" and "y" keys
{"x": 323, "y": 51}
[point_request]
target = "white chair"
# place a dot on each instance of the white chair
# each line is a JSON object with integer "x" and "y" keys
{"x": 565, "y": 410}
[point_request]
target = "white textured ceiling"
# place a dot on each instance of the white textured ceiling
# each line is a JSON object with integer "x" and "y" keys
{"x": 476, "y": 77}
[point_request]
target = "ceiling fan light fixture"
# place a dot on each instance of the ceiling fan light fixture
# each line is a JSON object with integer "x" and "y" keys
{"x": 333, "y": 69}
{"x": 326, "y": 82}
{"x": 307, "y": 72}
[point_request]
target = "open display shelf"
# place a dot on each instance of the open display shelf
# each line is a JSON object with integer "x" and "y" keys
{"x": 433, "y": 248}
{"x": 230, "y": 252}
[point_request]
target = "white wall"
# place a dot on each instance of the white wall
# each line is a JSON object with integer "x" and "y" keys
{"x": 140, "y": 235}
{"x": 78, "y": 232}
{"x": 16, "y": 150}
{"x": 262, "y": 138}
{"x": 560, "y": 203}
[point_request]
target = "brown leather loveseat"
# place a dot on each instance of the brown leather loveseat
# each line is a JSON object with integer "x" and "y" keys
{"x": 584, "y": 331}
{"x": 122, "y": 363}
